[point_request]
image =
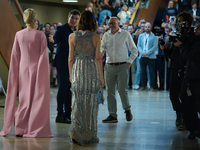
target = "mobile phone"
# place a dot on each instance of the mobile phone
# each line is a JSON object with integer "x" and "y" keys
{"x": 172, "y": 18}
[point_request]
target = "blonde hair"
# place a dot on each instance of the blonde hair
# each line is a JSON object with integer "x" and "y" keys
{"x": 30, "y": 16}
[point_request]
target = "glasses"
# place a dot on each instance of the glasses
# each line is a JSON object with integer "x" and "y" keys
{"x": 112, "y": 23}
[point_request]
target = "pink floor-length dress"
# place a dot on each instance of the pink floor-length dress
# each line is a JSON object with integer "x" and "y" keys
{"x": 29, "y": 70}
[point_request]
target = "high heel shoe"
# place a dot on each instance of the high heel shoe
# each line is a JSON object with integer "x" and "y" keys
{"x": 75, "y": 142}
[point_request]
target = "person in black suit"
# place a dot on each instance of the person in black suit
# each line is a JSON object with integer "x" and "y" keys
{"x": 195, "y": 13}
{"x": 190, "y": 88}
{"x": 61, "y": 63}
{"x": 184, "y": 5}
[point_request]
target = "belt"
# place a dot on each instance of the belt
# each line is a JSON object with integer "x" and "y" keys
{"x": 115, "y": 64}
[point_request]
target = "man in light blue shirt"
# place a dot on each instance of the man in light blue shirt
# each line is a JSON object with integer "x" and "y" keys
{"x": 147, "y": 46}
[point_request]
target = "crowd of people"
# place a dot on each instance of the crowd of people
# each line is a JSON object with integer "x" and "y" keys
{"x": 75, "y": 53}
{"x": 179, "y": 47}
{"x": 102, "y": 10}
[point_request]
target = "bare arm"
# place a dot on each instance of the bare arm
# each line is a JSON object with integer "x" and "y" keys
{"x": 71, "y": 53}
{"x": 98, "y": 58}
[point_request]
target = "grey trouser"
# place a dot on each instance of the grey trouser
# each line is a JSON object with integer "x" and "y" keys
{"x": 116, "y": 74}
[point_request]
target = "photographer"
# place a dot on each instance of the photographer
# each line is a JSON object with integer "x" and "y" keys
{"x": 177, "y": 70}
{"x": 190, "y": 94}
{"x": 163, "y": 35}
{"x": 124, "y": 14}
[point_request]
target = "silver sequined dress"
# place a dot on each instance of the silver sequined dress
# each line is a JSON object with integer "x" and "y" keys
{"x": 85, "y": 86}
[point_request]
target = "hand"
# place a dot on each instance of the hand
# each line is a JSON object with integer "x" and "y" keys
{"x": 177, "y": 43}
{"x": 51, "y": 39}
{"x": 163, "y": 46}
{"x": 102, "y": 53}
{"x": 128, "y": 65}
{"x": 137, "y": 32}
{"x": 196, "y": 17}
{"x": 102, "y": 82}
{"x": 144, "y": 55}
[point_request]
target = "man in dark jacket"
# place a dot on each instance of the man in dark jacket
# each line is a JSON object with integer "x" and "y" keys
{"x": 195, "y": 13}
{"x": 61, "y": 63}
{"x": 184, "y": 5}
{"x": 190, "y": 91}
{"x": 170, "y": 11}
{"x": 177, "y": 71}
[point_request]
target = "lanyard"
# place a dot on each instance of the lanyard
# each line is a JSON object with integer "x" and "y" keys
{"x": 146, "y": 39}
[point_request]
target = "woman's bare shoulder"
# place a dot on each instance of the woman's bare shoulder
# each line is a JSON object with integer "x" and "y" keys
{"x": 72, "y": 35}
{"x": 96, "y": 36}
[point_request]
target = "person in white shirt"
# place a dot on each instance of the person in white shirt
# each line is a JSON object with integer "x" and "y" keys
{"x": 116, "y": 43}
{"x": 124, "y": 14}
{"x": 147, "y": 45}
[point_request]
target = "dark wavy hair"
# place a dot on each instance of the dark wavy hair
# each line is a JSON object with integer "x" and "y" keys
{"x": 186, "y": 17}
{"x": 87, "y": 22}
{"x": 74, "y": 12}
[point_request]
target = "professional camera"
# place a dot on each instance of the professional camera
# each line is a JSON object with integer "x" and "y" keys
{"x": 185, "y": 33}
{"x": 122, "y": 4}
{"x": 159, "y": 31}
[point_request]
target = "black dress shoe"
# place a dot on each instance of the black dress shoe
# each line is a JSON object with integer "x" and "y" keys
{"x": 179, "y": 118}
{"x": 62, "y": 119}
{"x": 68, "y": 116}
{"x": 129, "y": 115}
{"x": 191, "y": 135}
{"x": 197, "y": 134}
{"x": 110, "y": 119}
{"x": 75, "y": 142}
{"x": 19, "y": 135}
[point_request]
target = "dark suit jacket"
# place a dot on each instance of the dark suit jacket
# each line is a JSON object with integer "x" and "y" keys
{"x": 197, "y": 14}
{"x": 184, "y": 3}
{"x": 61, "y": 39}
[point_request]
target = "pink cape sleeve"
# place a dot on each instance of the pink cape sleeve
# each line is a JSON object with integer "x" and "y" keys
{"x": 39, "y": 123}
{"x": 11, "y": 88}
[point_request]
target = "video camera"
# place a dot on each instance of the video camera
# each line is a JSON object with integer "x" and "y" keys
{"x": 159, "y": 31}
{"x": 184, "y": 33}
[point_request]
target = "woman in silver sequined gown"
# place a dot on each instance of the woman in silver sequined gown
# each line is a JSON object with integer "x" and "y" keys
{"x": 86, "y": 76}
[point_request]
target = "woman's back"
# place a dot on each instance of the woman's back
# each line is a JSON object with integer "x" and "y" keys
{"x": 84, "y": 43}
{"x": 85, "y": 86}
{"x": 29, "y": 41}
{"x": 29, "y": 69}
{"x": 85, "y": 75}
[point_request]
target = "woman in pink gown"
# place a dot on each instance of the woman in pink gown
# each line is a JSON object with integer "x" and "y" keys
{"x": 29, "y": 72}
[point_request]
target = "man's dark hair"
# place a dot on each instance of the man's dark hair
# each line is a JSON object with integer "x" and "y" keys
{"x": 186, "y": 17}
{"x": 141, "y": 19}
{"x": 194, "y": 3}
{"x": 74, "y": 12}
{"x": 46, "y": 24}
{"x": 130, "y": 25}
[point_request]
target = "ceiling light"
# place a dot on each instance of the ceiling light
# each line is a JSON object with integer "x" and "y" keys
{"x": 73, "y": 1}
